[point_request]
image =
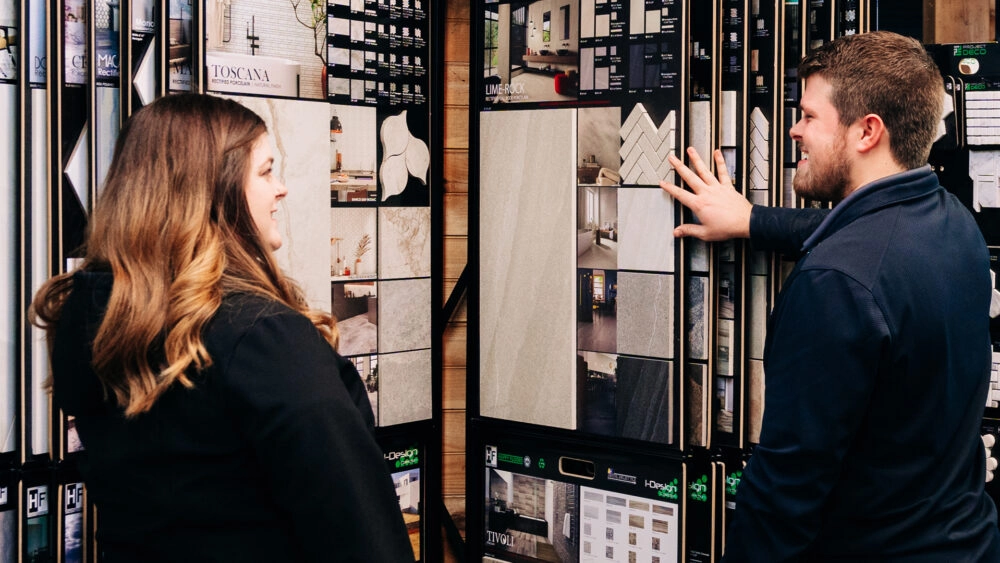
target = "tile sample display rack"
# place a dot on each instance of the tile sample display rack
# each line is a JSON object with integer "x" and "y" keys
{"x": 577, "y": 282}
{"x": 69, "y": 82}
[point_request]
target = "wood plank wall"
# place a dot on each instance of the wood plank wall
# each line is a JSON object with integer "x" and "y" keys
{"x": 946, "y": 21}
{"x": 456, "y": 233}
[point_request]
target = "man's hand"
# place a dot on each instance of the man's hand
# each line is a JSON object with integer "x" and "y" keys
{"x": 722, "y": 212}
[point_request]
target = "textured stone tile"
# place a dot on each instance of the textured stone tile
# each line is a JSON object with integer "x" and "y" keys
{"x": 698, "y": 312}
{"x": 403, "y": 322}
{"x": 404, "y": 387}
{"x": 646, "y": 315}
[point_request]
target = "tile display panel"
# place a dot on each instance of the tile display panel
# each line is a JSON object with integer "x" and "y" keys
{"x": 35, "y": 419}
{"x": 377, "y": 84}
{"x": 581, "y": 105}
{"x": 261, "y": 47}
{"x": 142, "y": 68}
{"x": 378, "y": 52}
{"x": 10, "y": 212}
{"x": 406, "y": 460}
{"x": 93, "y": 88}
{"x": 106, "y": 104}
{"x": 537, "y": 507}
{"x": 765, "y": 142}
{"x": 180, "y": 37}
{"x": 8, "y": 521}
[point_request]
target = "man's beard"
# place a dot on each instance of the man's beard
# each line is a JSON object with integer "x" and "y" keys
{"x": 828, "y": 179}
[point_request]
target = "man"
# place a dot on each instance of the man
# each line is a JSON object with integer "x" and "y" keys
{"x": 877, "y": 353}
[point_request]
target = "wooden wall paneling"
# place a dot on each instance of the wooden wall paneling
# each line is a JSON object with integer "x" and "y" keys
{"x": 959, "y": 21}
{"x": 455, "y": 174}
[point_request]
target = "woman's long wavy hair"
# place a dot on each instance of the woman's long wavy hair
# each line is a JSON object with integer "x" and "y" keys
{"x": 173, "y": 226}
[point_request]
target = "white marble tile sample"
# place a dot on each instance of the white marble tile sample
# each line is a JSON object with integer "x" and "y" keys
{"x": 729, "y": 103}
{"x": 602, "y": 78}
{"x": 300, "y": 140}
{"x": 40, "y": 240}
{"x": 527, "y": 255}
{"x": 404, "y": 323}
{"x": 603, "y": 26}
{"x": 10, "y": 207}
{"x": 404, "y": 235}
{"x": 646, "y": 225}
{"x": 646, "y": 315}
{"x": 404, "y": 387}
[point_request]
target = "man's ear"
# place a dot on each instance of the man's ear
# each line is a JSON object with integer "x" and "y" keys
{"x": 871, "y": 133}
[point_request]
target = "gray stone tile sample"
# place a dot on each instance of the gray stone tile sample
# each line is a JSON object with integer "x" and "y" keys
{"x": 403, "y": 322}
{"x": 404, "y": 387}
{"x": 698, "y": 322}
{"x": 646, "y": 315}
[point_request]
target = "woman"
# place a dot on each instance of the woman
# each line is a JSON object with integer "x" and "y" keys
{"x": 219, "y": 423}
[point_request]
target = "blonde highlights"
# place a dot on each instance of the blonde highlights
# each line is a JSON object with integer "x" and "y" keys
{"x": 173, "y": 226}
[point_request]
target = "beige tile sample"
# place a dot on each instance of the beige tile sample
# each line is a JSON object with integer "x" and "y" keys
{"x": 527, "y": 255}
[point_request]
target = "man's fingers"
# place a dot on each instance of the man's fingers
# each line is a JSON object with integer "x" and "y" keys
{"x": 723, "y": 168}
{"x": 699, "y": 166}
{"x": 685, "y": 197}
{"x": 689, "y": 230}
{"x": 689, "y": 176}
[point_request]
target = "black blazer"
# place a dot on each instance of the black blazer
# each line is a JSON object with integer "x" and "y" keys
{"x": 269, "y": 457}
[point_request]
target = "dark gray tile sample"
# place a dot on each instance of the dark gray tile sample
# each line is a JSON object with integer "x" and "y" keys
{"x": 645, "y": 399}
